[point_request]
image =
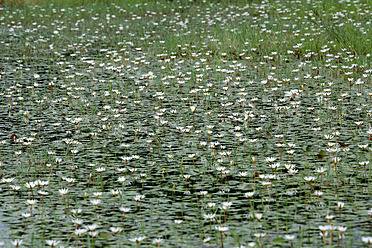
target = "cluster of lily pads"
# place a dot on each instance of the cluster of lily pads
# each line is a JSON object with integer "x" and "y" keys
{"x": 186, "y": 124}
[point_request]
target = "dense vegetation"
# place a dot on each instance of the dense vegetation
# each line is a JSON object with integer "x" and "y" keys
{"x": 185, "y": 123}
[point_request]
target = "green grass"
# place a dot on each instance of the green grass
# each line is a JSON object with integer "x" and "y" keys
{"x": 317, "y": 15}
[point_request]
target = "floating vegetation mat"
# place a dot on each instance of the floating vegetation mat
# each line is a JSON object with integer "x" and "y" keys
{"x": 186, "y": 124}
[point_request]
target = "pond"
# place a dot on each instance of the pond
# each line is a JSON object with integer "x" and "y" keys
{"x": 185, "y": 124}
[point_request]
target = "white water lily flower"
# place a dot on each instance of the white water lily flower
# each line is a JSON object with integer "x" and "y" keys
{"x": 137, "y": 239}
{"x": 116, "y": 230}
{"x": 52, "y": 243}
{"x": 221, "y": 228}
{"x": 157, "y": 241}
{"x": 367, "y": 240}
{"x": 289, "y": 237}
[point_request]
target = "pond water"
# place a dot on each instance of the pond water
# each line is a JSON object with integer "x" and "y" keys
{"x": 145, "y": 137}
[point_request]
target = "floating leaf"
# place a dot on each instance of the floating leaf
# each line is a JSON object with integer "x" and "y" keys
{"x": 279, "y": 240}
